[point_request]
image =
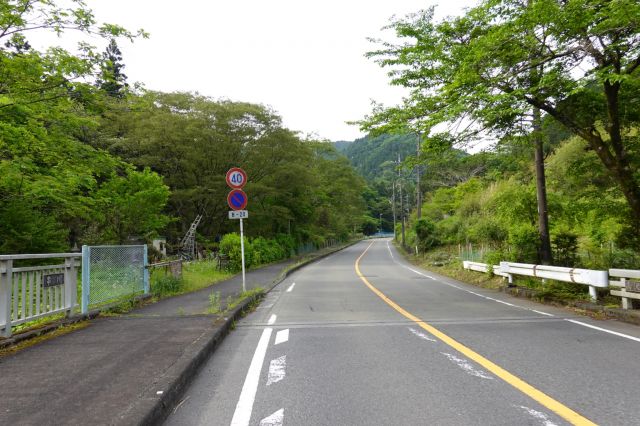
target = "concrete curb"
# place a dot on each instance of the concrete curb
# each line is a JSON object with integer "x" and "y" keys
{"x": 179, "y": 376}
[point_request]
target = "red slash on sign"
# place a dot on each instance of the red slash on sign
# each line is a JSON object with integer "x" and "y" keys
{"x": 237, "y": 199}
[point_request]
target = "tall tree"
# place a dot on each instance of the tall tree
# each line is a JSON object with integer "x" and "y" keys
{"x": 112, "y": 78}
{"x": 478, "y": 67}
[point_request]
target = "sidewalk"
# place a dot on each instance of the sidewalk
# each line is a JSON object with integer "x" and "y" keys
{"x": 121, "y": 370}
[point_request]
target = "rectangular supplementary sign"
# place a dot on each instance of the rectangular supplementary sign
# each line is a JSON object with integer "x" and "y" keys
{"x": 632, "y": 286}
{"x": 238, "y": 214}
{"x": 52, "y": 280}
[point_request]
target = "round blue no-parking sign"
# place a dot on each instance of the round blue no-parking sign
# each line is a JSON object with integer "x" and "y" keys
{"x": 237, "y": 199}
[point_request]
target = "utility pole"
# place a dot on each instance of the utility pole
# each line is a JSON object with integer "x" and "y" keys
{"x": 418, "y": 192}
{"x": 393, "y": 208}
{"x": 401, "y": 200}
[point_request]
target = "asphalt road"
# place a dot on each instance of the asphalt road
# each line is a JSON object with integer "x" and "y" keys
{"x": 363, "y": 338}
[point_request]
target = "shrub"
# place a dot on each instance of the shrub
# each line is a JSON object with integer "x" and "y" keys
{"x": 287, "y": 243}
{"x": 524, "y": 241}
{"x": 565, "y": 248}
{"x": 166, "y": 285}
{"x": 494, "y": 257}
{"x": 266, "y": 251}
{"x": 426, "y": 233}
{"x": 230, "y": 245}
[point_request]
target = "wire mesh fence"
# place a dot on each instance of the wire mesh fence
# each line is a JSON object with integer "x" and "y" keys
{"x": 113, "y": 272}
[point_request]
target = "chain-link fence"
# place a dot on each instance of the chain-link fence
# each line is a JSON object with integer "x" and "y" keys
{"x": 112, "y": 272}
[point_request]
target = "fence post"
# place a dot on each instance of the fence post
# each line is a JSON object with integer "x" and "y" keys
{"x": 593, "y": 293}
{"x": 625, "y": 300}
{"x": 71, "y": 284}
{"x": 6, "y": 281}
{"x": 86, "y": 253}
{"x": 145, "y": 262}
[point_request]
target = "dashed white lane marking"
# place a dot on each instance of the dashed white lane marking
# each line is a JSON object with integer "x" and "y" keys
{"x": 626, "y": 336}
{"x": 538, "y": 415}
{"x": 543, "y": 313}
{"x": 272, "y": 319}
{"x": 242, "y": 415}
{"x": 467, "y": 367}
{"x": 421, "y": 335}
{"x": 282, "y": 336}
{"x": 273, "y": 420}
{"x": 277, "y": 370}
{"x": 290, "y": 289}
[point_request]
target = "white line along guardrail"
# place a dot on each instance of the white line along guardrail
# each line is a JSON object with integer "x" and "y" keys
{"x": 32, "y": 292}
{"x": 559, "y": 273}
{"x": 628, "y": 289}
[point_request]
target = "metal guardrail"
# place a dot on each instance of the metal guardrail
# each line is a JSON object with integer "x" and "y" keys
{"x": 592, "y": 278}
{"x": 32, "y": 292}
{"x": 483, "y": 267}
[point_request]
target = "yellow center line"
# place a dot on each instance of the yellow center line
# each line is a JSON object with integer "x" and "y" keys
{"x": 539, "y": 396}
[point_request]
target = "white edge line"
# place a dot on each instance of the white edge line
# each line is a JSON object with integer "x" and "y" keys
{"x": 460, "y": 288}
{"x": 543, "y": 313}
{"x": 626, "y": 336}
{"x": 242, "y": 415}
{"x": 272, "y": 319}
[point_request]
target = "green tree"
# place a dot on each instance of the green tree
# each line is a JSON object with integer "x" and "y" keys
{"x": 505, "y": 58}
{"x": 112, "y": 78}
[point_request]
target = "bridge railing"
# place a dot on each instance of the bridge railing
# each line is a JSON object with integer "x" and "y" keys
{"x": 32, "y": 292}
{"x": 626, "y": 288}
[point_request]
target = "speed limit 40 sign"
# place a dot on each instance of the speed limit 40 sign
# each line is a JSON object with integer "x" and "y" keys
{"x": 236, "y": 178}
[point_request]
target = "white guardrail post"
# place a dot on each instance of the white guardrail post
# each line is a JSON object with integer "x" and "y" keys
{"x": 6, "y": 279}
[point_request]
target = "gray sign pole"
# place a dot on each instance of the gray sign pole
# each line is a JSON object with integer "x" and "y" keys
{"x": 244, "y": 288}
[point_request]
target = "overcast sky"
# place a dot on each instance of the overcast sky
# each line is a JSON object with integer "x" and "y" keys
{"x": 305, "y": 59}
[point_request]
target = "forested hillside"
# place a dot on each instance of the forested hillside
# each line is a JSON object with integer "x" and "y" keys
{"x": 377, "y": 159}
{"x": 87, "y": 158}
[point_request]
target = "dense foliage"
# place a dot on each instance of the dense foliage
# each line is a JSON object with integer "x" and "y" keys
{"x": 494, "y": 212}
{"x": 87, "y": 158}
{"x": 502, "y": 63}
{"x": 556, "y": 78}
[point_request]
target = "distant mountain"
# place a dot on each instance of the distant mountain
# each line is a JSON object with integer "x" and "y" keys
{"x": 341, "y": 146}
{"x": 369, "y": 153}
